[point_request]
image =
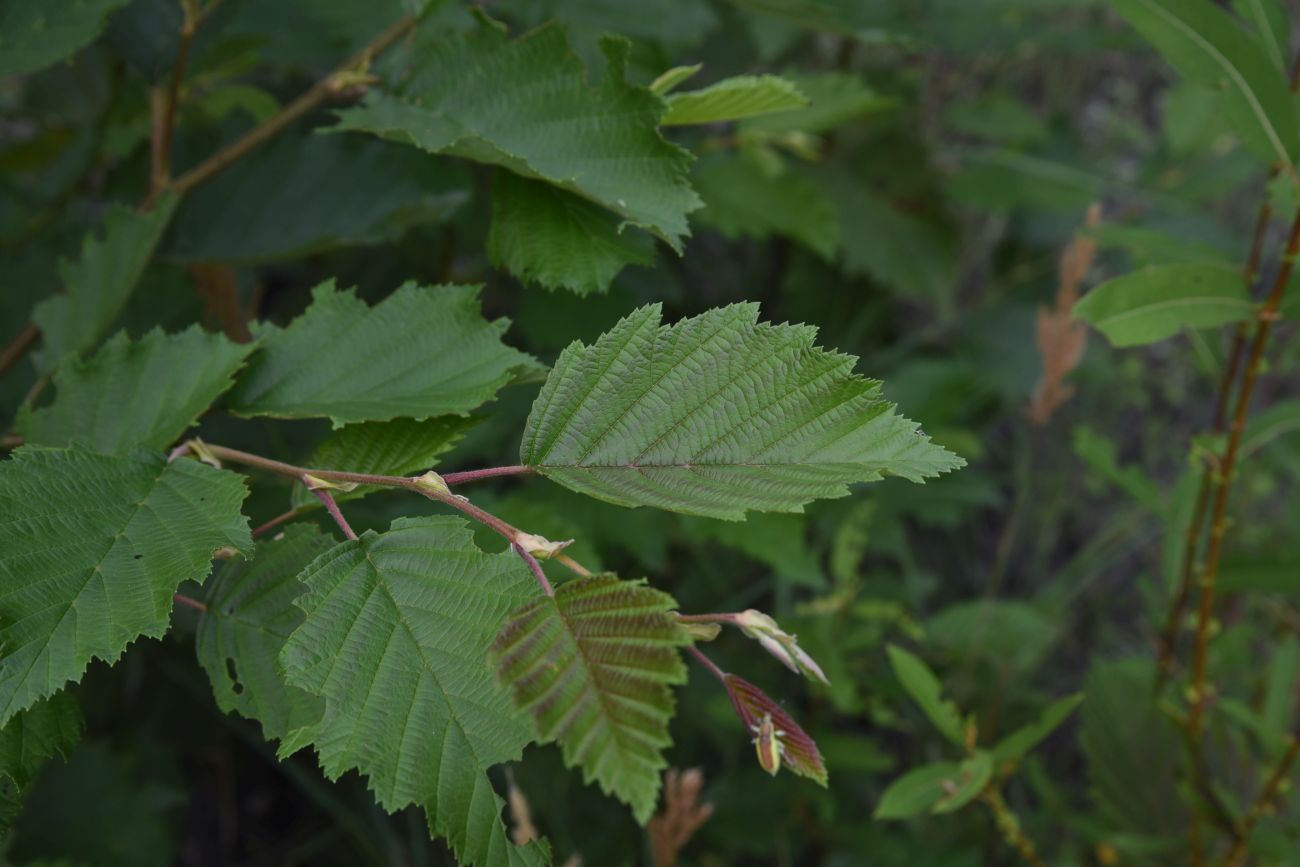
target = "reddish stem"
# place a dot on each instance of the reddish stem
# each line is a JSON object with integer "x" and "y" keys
{"x": 707, "y": 663}
{"x": 536, "y": 567}
{"x": 275, "y": 522}
{"x": 327, "y": 499}
{"x": 192, "y": 603}
{"x": 489, "y": 472}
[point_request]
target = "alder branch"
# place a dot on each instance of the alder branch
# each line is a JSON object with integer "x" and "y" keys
{"x": 327, "y": 500}
{"x": 1262, "y": 804}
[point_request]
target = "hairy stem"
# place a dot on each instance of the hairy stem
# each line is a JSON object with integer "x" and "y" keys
{"x": 331, "y": 506}
{"x": 1268, "y": 314}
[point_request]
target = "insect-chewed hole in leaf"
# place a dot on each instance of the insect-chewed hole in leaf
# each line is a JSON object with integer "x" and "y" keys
{"x": 235, "y": 686}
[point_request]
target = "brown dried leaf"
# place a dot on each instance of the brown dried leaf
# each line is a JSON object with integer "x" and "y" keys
{"x": 682, "y": 815}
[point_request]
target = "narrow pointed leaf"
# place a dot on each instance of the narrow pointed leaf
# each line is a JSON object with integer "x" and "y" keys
{"x": 716, "y": 415}
{"x": 401, "y": 447}
{"x": 733, "y": 99}
{"x": 1158, "y": 301}
{"x": 422, "y": 351}
{"x": 136, "y": 393}
{"x": 592, "y": 665}
{"x": 834, "y": 99}
{"x": 1016, "y": 745}
{"x": 939, "y": 788}
{"x": 84, "y": 575}
{"x": 526, "y": 105}
{"x": 545, "y": 235}
{"x": 250, "y": 616}
{"x": 395, "y": 640}
{"x": 925, "y": 689}
{"x": 1208, "y": 47}
{"x": 98, "y": 284}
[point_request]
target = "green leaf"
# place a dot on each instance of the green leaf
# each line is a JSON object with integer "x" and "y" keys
{"x": 85, "y": 579}
{"x": 592, "y": 666}
{"x": 1280, "y": 419}
{"x": 35, "y": 33}
{"x": 669, "y": 79}
{"x": 742, "y": 199}
{"x": 925, "y": 689}
{"x": 136, "y": 393}
{"x": 733, "y": 99}
{"x": 401, "y": 447}
{"x": 250, "y": 615}
{"x": 944, "y": 787}
{"x": 917, "y": 791}
{"x": 779, "y": 540}
{"x": 1154, "y": 303}
{"x": 395, "y": 640}
{"x": 1269, "y": 19}
{"x": 1207, "y": 46}
{"x": 52, "y": 725}
{"x": 526, "y": 105}
{"x": 716, "y": 415}
{"x": 833, "y": 99}
{"x": 422, "y": 351}
{"x": 1133, "y": 751}
{"x": 1016, "y": 745}
{"x": 300, "y": 195}
{"x": 98, "y": 285}
{"x": 545, "y": 235}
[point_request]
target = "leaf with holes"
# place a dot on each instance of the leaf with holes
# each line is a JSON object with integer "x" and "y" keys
{"x": 250, "y": 616}
{"x": 716, "y": 415}
{"x": 395, "y": 640}
{"x": 592, "y": 665}
{"x": 84, "y": 575}
{"x": 132, "y": 393}
{"x": 422, "y": 351}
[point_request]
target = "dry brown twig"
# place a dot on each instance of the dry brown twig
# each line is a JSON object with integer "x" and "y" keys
{"x": 1061, "y": 339}
{"x": 682, "y": 815}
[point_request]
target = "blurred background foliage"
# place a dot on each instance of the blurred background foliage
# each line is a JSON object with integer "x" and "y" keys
{"x": 916, "y": 213}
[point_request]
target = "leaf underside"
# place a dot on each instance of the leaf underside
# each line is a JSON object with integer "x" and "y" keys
{"x": 395, "y": 640}
{"x": 421, "y": 352}
{"x": 95, "y": 546}
{"x": 592, "y": 666}
{"x": 716, "y": 415}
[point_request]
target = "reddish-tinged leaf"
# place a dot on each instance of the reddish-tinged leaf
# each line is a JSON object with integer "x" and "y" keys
{"x": 800, "y": 753}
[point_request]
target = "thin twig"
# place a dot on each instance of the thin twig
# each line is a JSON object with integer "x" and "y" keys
{"x": 707, "y": 663}
{"x": 15, "y": 349}
{"x": 331, "y": 506}
{"x": 164, "y": 104}
{"x": 1262, "y": 804}
{"x": 192, "y": 603}
{"x": 487, "y": 473}
{"x": 329, "y": 87}
{"x": 276, "y": 521}
{"x": 1219, "y": 522}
